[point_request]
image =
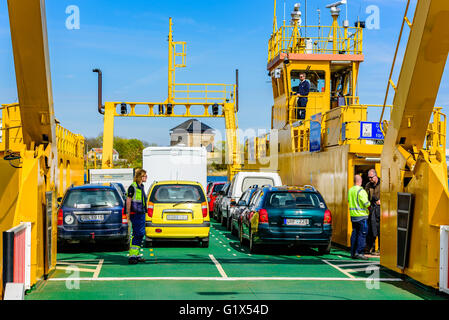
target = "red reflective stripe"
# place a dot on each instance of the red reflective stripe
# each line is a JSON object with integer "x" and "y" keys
{"x": 19, "y": 256}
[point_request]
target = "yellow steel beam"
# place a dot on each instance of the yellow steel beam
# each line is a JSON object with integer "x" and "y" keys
{"x": 227, "y": 101}
{"x": 421, "y": 73}
{"x": 406, "y": 166}
{"x": 32, "y": 65}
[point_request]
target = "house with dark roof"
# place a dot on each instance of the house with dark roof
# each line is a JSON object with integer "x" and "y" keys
{"x": 98, "y": 154}
{"x": 193, "y": 133}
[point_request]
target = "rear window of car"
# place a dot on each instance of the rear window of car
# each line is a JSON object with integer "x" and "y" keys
{"x": 259, "y": 181}
{"x": 218, "y": 187}
{"x": 91, "y": 198}
{"x": 294, "y": 199}
{"x": 177, "y": 193}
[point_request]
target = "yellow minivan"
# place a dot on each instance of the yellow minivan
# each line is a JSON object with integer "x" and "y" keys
{"x": 177, "y": 210}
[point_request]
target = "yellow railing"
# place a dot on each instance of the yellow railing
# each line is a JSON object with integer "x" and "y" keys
{"x": 339, "y": 126}
{"x": 347, "y": 40}
{"x": 207, "y": 93}
{"x": 436, "y": 132}
{"x": 69, "y": 144}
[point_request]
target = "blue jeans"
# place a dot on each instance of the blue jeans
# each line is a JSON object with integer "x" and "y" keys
{"x": 358, "y": 237}
{"x": 138, "y": 226}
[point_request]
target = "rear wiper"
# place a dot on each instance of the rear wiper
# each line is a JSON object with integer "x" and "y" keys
{"x": 183, "y": 202}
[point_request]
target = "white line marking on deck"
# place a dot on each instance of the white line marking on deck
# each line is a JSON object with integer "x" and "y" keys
{"x": 339, "y": 269}
{"x": 358, "y": 264}
{"x": 218, "y": 265}
{"x": 74, "y": 268}
{"x": 98, "y": 270}
{"x": 228, "y": 279}
{"x": 77, "y": 264}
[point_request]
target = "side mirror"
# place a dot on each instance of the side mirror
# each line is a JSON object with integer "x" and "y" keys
{"x": 59, "y": 199}
{"x": 233, "y": 203}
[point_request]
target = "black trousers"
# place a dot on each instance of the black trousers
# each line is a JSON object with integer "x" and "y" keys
{"x": 301, "y": 108}
{"x": 373, "y": 227}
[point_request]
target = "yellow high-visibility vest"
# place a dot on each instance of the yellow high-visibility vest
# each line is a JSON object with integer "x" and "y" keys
{"x": 358, "y": 202}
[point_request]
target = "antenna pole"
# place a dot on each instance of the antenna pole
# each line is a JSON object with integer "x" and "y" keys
{"x": 275, "y": 19}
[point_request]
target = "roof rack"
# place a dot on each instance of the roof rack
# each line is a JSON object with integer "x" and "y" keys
{"x": 307, "y": 186}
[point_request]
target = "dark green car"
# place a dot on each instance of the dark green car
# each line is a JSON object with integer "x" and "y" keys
{"x": 287, "y": 216}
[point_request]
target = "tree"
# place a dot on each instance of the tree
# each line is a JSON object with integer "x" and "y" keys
{"x": 130, "y": 150}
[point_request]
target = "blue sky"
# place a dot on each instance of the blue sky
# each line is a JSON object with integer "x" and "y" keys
{"x": 127, "y": 40}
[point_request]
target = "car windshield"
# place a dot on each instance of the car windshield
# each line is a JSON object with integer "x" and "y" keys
{"x": 177, "y": 194}
{"x": 91, "y": 198}
{"x": 294, "y": 199}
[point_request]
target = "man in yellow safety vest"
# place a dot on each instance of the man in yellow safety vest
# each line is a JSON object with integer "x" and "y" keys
{"x": 358, "y": 209}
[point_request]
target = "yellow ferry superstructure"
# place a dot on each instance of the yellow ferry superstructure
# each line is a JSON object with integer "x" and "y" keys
{"x": 330, "y": 56}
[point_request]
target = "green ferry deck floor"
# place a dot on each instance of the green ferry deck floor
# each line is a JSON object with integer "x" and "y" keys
{"x": 224, "y": 271}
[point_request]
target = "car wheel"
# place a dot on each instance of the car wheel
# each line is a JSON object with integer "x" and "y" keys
{"x": 148, "y": 243}
{"x": 223, "y": 220}
{"x": 229, "y": 223}
{"x": 205, "y": 243}
{"x": 253, "y": 248}
{"x": 326, "y": 249}
{"x": 125, "y": 244}
{"x": 233, "y": 229}
{"x": 241, "y": 235}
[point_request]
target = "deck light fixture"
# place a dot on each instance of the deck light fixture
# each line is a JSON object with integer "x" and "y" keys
{"x": 123, "y": 109}
{"x": 215, "y": 109}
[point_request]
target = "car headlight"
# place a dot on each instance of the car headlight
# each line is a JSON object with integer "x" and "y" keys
{"x": 69, "y": 219}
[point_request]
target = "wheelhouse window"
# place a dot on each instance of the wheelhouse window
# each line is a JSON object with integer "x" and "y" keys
{"x": 316, "y": 78}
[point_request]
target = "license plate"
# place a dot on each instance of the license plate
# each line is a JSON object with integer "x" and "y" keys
{"x": 177, "y": 217}
{"x": 92, "y": 218}
{"x": 296, "y": 222}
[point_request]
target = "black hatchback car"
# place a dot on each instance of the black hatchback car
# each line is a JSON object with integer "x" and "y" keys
{"x": 93, "y": 212}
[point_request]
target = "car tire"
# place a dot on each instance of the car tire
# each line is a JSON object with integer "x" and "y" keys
{"x": 326, "y": 249}
{"x": 229, "y": 223}
{"x": 205, "y": 243}
{"x": 241, "y": 235}
{"x": 125, "y": 244}
{"x": 223, "y": 220}
{"x": 253, "y": 248}
{"x": 234, "y": 231}
{"x": 149, "y": 243}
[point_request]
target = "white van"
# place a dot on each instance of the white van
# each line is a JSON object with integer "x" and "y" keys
{"x": 241, "y": 182}
{"x": 175, "y": 164}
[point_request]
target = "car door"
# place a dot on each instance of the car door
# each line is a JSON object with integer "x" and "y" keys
{"x": 248, "y": 212}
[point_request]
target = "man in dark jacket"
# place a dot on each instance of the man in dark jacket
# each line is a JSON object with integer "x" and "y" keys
{"x": 373, "y": 190}
{"x": 303, "y": 92}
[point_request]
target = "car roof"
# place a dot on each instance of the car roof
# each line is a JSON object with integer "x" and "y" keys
{"x": 92, "y": 186}
{"x": 306, "y": 188}
{"x": 177, "y": 182}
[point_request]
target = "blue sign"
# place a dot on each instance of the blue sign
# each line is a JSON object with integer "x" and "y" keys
{"x": 371, "y": 130}
{"x": 315, "y": 133}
